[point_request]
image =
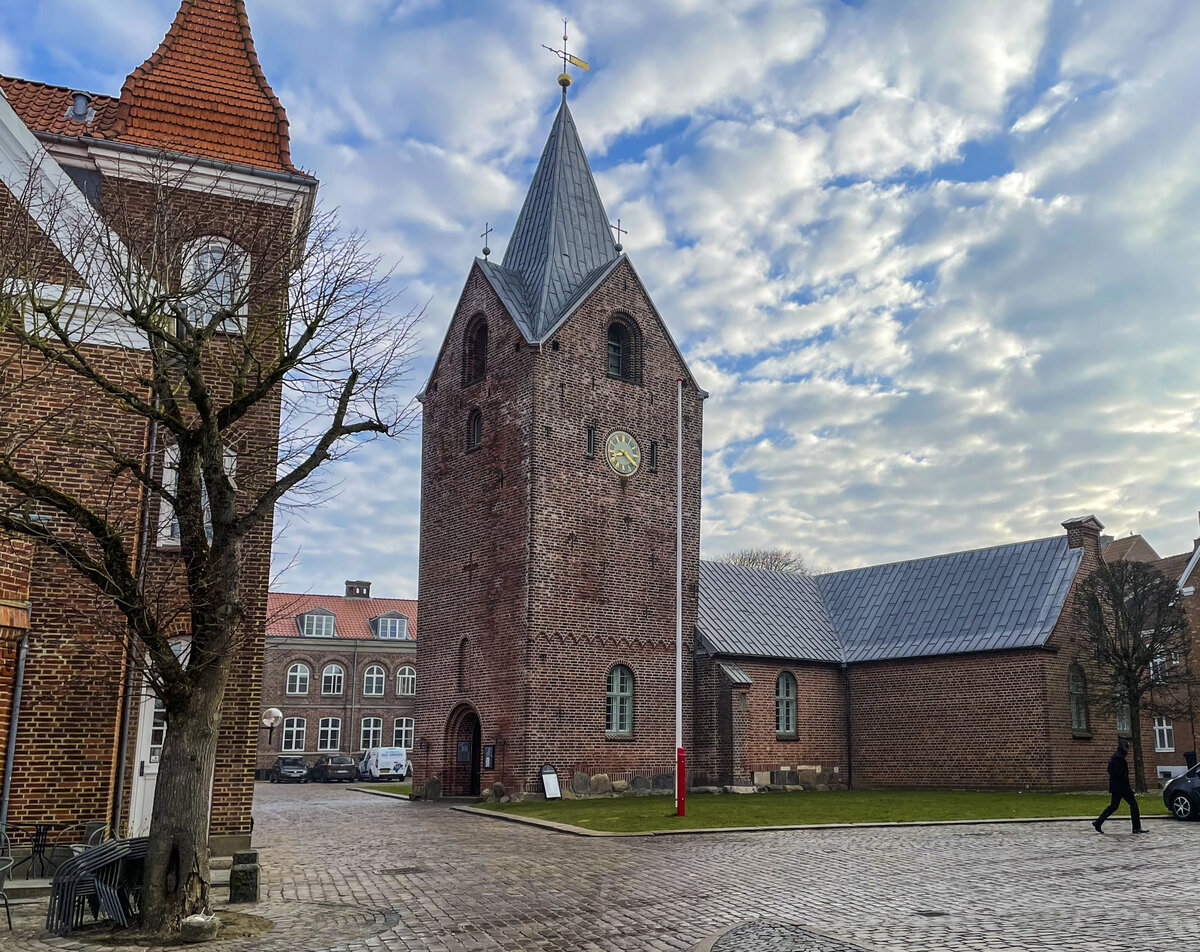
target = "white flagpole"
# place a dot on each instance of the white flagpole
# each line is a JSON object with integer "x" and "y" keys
{"x": 680, "y": 762}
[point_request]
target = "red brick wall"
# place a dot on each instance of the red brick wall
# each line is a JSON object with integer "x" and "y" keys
{"x": 474, "y": 535}
{"x": 820, "y": 718}
{"x": 352, "y": 706}
{"x": 593, "y": 553}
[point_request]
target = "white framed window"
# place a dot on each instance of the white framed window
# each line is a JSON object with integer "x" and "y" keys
{"x": 402, "y": 733}
{"x": 332, "y": 679}
{"x": 785, "y": 704}
{"x": 168, "y": 523}
{"x": 373, "y": 682}
{"x": 406, "y": 681}
{"x": 393, "y": 627}
{"x": 297, "y": 679}
{"x": 1164, "y": 735}
{"x": 318, "y": 625}
{"x": 1124, "y": 723}
{"x": 294, "y": 730}
{"x": 618, "y": 707}
{"x": 1160, "y": 667}
{"x": 372, "y": 733}
{"x": 215, "y": 273}
{"x": 329, "y": 735}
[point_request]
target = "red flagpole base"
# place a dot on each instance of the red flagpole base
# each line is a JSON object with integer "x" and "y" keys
{"x": 680, "y": 782}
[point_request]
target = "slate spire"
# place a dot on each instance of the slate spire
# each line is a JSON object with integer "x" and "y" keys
{"x": 562, "y": 241}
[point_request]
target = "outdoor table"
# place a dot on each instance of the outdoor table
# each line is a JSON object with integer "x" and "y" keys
{"x": 39, "y": 837}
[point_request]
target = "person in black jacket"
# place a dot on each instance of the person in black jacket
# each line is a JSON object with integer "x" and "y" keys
{"x": 1120, "y": 788}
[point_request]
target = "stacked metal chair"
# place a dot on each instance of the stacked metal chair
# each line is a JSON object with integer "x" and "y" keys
{"x": 104, "y": 879}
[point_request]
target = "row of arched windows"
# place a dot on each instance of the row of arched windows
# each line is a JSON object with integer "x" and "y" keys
{"x": 622, "y": 349}
{"x": 333, "y": 680}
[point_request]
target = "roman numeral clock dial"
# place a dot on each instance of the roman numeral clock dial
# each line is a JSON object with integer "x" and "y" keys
{"x": 623, "y": 453}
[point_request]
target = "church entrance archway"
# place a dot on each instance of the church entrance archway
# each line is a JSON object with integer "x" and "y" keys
{"x": 463, "y": 752}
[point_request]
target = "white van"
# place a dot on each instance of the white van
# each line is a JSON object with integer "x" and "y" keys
{"x": 382, "y": 763}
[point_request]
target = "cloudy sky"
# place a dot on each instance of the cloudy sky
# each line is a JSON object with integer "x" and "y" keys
{"x": 937, "y": 262}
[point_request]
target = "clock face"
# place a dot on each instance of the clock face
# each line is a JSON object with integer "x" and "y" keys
{"x": 624, "y": 455}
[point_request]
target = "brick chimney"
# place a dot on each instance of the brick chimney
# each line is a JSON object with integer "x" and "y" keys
{"x": 358, "y": 589}
{"x": 1083, "y": 532}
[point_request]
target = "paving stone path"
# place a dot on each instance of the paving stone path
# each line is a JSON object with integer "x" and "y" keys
{"x": 355, "y": 872}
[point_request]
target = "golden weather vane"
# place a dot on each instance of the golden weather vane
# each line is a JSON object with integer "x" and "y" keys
{"x": 564, "y": 79}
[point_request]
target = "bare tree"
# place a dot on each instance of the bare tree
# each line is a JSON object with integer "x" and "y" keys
{"x": 775, "y": 560}
{"x": 203, "y": 379}
{"x": 1134, "y": 632}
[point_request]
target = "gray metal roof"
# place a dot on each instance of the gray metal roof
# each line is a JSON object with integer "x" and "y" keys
{"x": 1006, "y": 596}
{"x": 760, "y": 613}
{"x": 562, "y": 243}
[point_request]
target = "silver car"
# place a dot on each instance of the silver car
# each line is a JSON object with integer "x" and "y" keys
{"x": 1182, "y": 795}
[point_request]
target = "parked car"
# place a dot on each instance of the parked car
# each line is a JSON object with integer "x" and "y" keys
{"x": 1182, "y": 795}
{"x": 384, "y": 763}
{"x": 288, "y": 770}
{"x": 329, "y": 767}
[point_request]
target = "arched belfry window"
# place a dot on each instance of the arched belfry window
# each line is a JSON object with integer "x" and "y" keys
{"x": 475, "y": 350}
{"x": 624, "y": 349}
{"x": 1077, "y": 687}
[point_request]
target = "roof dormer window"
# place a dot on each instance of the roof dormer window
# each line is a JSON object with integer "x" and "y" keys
{"x": 317, "y": 624}
{"x": 392, "y": 626}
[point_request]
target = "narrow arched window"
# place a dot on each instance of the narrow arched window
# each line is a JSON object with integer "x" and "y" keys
{"x": 785, "y": 704}
{"x": 297, "y": 679}
{"x": 625, "y": 349}
{"x": 406, "y": 681}
{"x": 332, "y": 679}
{"x": 475, "y": 350}
{"x": 373, "y": 681}
{"x": 618, "y": 704}
{"x": 474, "y": 430}
{"x": 1077, "y": 686}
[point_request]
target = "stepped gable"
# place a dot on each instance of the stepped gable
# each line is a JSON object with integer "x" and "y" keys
{"x": 203, "y": 92}
{"x": 562, "y": 245}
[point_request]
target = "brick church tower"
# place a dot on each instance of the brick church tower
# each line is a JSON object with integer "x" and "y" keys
{"x": 548, "y": 495}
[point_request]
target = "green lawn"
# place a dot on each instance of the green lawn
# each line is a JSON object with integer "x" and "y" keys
{"x": 640, "y": 814}
{"x": 385, "y": 786}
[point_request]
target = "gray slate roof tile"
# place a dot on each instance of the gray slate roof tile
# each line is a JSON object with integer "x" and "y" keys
{"x": 1006, "y": 596}
{"x": 562, "y": 242}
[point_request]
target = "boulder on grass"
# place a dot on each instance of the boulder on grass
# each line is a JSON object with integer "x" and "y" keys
{"x": 433, "y": 789}
{"x": 581, "y": 783}
{"x": 601, "y": 784}
{"x": 663, "y": 781}
{"x": 498, "y": 790}
{"x": 620, "y": 786}
{"x": 640, "y": 784}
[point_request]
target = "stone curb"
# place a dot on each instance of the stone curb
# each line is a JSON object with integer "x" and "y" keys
{"x": 900, "y": 824}
{"x": 382, "y": 793}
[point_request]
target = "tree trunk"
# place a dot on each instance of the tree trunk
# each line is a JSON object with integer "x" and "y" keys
{"x": 1135, "y": 730}
{"x": 177, "y": 875}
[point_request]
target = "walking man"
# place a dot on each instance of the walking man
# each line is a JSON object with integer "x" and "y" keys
{"x": 1120, "y": 788}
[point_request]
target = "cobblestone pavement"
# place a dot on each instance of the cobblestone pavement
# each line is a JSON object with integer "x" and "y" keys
{"x": 776, "y": 937}
{"x": 359, "y": 872}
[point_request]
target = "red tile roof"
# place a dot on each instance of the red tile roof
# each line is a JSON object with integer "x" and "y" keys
{"x": 201, "y": 93}
{"x": 43, "y": 108}
{"x": 1131, "y": 548}
{"x": 1173, "y": 565}
{"x": 352, "y": 616}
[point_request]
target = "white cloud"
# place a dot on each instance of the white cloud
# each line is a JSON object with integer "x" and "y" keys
{"x": 934, "y": 260}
